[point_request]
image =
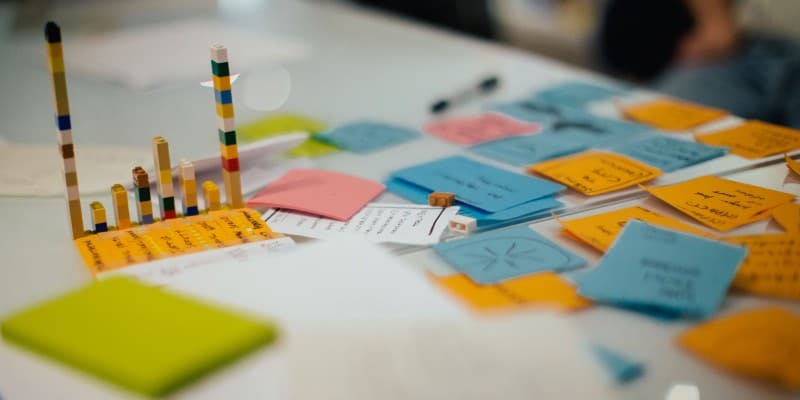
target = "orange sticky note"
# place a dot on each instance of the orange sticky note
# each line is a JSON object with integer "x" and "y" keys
{"x": 672, "y": 115}
{"x": 754, "y": 139}
{"x": 546, "y": 288}
{"x": 319, "y": 192}
{"x": 772, "y": 266}
{"x": 596, "y": 172}
{"x": 793, "y": 165}
{"x": 600, "y": 230}
{"x": 761, "y": 343}
{"x": 720, "y": 203}
{"x": 788, "y": 216}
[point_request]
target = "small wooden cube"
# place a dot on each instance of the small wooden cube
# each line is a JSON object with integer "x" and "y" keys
{"x": 460, "y": 223}
{"x": 441, "y": 199}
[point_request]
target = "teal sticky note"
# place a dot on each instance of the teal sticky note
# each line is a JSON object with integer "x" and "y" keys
{"x": 654, "y": 267}
{"x": 498, "y": 255}
{"x": 621, "y": 368}
{"x": 419, "y": 195}
{"x": 480, "y": 185}
{"x": 367, "y": 136}
{"x": 669, "y": 154}
{"x": 594, "y": 131}
{"x": 525, "y": 150}
{"x": 578, "y": 94}
{"x": 529, "y": 111}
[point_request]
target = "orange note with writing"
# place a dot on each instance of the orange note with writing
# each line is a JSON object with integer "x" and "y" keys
{"x": 672, "y": 115}
{"x": 545, "y": 288}
{"x": 793, "y": 165}
{"x": 772, "y": 266}
{"x": 720, "y": 203}
{"x": 762, "y": 343}
{"x": 600, "y": 230}
{"x": 596, "y": 172}
{"x": 788, "y": 216}
{"x": 754, "y": 139}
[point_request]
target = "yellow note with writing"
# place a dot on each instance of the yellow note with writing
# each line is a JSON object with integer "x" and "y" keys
{"x": 793, "y": 165}
{"x": 545, "y": 288}
{"x": 600, "y": 230}
{"x": 720, "y": 203}
{"x": 596, "y": 172}
{"x": 788, "y": 216}
{"x": 772, "y": 266}
{"x": 762, "y": 343}
{"x": 672, "y": 115}
{"x": 754, "y": 139}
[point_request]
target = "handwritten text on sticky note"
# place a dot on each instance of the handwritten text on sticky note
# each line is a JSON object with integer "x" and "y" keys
{"x": 772, "y": 266}
{"x": 754, "y": 139}
{"x": 672, "y": 115}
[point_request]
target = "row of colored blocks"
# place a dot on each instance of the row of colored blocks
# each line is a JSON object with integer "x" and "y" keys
{"x": 144, "y": 207}
{"x": 229, "y": 152}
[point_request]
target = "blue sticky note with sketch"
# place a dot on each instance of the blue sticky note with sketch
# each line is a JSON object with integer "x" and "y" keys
{"x": 524, "y": 150}
{"x": 577, "y": 94}
{"x": 498, "y": 255}
{"x": 593, "y": 131}
{"x": 669, "y": 154}
{"x": 366, "y": 136}
{"x": 621, "y": 368}
{"x": 654, "y": 267}
{"x": 529, "y": 111}
{"x": 483, "y": 186}
{"x": 419, "y": 195}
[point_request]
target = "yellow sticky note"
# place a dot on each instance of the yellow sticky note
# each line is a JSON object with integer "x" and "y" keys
{"x": 761, "y": 343}
{"x": 772, "y": 266}
{"x": 720, "y": 203}
{"x": 600, "y": 230}
{"x": 793, "y": 165}
{"x": 546, "y": 288}
{"x": 754, "y": 139}
{"x": 788, "y": 216}
{"x": 313, "y": 148}
{"x": 281, "y": 124}
{"x": 672, "y": 115}
{"x": 596, "y": 172}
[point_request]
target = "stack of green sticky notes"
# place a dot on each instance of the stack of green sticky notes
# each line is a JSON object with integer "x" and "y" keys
{"x": 137, "y": 336}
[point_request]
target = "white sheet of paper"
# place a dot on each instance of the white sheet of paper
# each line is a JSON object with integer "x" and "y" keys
{"x": 35, "y": 170}
{"x": 147, "y": 56}
{"x": 161, "y": 272}
{"x": 376, "y": 222}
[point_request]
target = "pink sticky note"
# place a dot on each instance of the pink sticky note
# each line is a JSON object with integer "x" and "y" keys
{"x": 483, "y": 128}
{"x": 324, "y": 193}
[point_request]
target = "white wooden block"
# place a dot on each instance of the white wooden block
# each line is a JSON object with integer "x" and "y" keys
{"x": 463, "y": 224}
{"x": 219, "y": 53}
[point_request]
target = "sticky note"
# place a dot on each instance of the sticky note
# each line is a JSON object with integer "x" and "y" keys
{"x": 720, "y": 203}
{"x": 669, "y": 154}
{"x": 593, "y": 131}
{"x": 793, "y": 165}
{"x": 670, "y": 270}
{"x": 529, "y": 111}
{"x": 281, "y": 124}
{"x": 324, "y": 193}
{"x": 788, "y": 216}
{"x": 760, "y": 343}
{"x": 577, "y": 94}
{"x": 596, "y": 172}
{"x": 495, "y": 256}
{"x": 541, "y": 289}
{"x": 672, "y": 115}
{"x": 366, "y": 136}
{"x": 524, "y": 150}
{"x": 772, "y": 266}
{"x": 478, "y": 129}
{"x": 600, "y": 230}
{"x": 480, "y": 185}
{"x": 139, "y": 337}
{"x": 621, "y": 368}
{"x": 754, "y": 139}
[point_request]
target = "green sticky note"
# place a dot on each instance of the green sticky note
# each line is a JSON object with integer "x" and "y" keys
{"x": 281, "y": 124}
{"x": 137, "y": 336}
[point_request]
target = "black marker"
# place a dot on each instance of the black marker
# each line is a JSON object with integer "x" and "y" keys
{"x": 485, "y": 86}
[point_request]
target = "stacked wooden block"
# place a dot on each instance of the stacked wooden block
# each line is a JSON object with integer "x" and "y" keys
{"x": 225, "y": 125}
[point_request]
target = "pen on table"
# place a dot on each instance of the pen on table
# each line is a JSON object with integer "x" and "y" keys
{"x": 483, "y": 87}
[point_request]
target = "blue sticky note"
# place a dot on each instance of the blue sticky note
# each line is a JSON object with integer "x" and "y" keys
{"x": 654, "y": 267}
{"x": 529, "y": 111}
{"x": 366, "y": 136}
{"x": 593, "y": 131}
{"x": 669, "y": 154}
{"x": 480, "y": 185}
{"x": 498, "y": 255}
{"x": 620, "y": 368}
{"x": 524, "y": 150}
{"x": 577, "y": 94}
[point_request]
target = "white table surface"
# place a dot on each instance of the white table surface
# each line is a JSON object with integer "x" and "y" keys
{"x": 361, "y": 65}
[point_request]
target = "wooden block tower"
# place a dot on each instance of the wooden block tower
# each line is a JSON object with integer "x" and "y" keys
{"x": 225, "y": 125}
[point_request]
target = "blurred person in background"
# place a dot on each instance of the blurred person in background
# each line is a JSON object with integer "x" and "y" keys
{"x": 742, "y": 56}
